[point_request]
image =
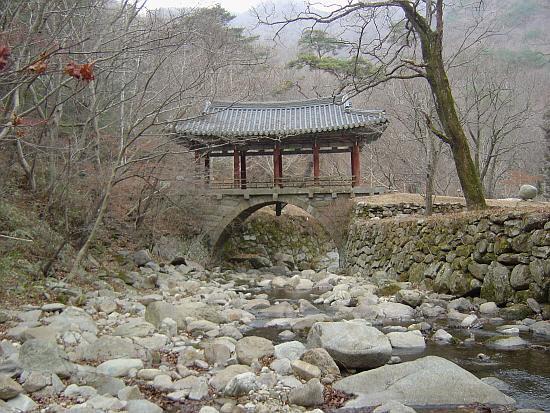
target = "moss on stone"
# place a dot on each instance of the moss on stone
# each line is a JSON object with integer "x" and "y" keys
{"x": 516, "y": 312}
{"x": 495, "y": 339}
{"x": 388, "y": 290}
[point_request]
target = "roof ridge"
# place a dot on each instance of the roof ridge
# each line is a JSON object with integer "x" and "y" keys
{"x": 334, "y": 100}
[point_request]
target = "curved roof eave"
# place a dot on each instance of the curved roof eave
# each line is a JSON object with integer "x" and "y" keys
{"x": 225, "y": 120}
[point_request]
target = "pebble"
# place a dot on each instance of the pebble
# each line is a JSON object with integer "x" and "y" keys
{"x": 186, "y": 355}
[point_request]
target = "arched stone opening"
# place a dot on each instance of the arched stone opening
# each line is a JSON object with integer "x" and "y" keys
{"x": 226, "y": 228}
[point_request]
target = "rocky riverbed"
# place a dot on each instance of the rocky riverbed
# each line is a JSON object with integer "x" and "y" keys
{"x": 180, "y": 338}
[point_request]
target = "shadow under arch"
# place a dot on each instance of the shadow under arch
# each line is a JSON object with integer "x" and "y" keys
{"x": 233, "y": 220}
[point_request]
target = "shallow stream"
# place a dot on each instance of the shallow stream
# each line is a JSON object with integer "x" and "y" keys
{"x": 526, "y": 371}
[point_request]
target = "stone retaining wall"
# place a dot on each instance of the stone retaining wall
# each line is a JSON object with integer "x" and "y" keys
{"x": 501, "y": 256}
{"x": 367, "y": 210}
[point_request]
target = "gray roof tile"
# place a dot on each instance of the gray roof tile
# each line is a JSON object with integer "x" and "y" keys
{"x": 242, "y": 119}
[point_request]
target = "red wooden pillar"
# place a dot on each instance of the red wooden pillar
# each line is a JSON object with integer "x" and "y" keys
{"x": 355, "y": 166}
{"x": 243, "y": 169}
{"x": 236, "y": 168}
{"x": 206, "y": 170}
{"x": 276, "y": 160}
{"x": 316, "y": 163}
{"x": 280, "y": 168}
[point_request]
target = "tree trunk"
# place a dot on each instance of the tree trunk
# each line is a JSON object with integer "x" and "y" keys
{"x": 98, "y": 220}
{"x": 432, "y": 47}
{"x": 29, "y": 172}
{"x": 467, "y": 174}
{"x": 51, "y": 135}
{"x": 430, "y": 176}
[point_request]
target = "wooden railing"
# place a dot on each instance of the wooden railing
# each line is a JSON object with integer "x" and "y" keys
{"x": 286, "y": 182}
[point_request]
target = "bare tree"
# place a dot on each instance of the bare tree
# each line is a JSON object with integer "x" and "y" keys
{"x": 161, "y": 86}
{"x": 404, "y": 40}
{"x": 93, "y": 83}
{"x": 498, "y": 109}
{"x": 410, "y": 103}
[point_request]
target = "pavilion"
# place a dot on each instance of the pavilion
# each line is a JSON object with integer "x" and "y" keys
{"x": 278, "y": 129}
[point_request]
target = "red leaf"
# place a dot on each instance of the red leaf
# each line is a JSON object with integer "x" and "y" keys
{"x": 38, "y": 67}
{"x": 5, "y": 52}
{"x": 72, "y": 69}
{"x": 86, "y": 71}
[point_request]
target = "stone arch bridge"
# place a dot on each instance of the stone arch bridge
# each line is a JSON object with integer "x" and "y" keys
{"x": 224, "y": 210}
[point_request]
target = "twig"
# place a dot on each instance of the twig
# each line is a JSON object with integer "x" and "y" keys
{"x": 15, "y": 238}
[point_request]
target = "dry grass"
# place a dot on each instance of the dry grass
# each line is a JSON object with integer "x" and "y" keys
{"x": 397, "y": 198}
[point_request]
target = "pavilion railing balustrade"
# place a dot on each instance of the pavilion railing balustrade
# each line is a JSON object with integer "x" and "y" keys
{"x": 285, "y": 182}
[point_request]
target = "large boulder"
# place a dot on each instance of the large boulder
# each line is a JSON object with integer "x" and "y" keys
{"x": 221, "y": 379}
{"x": 8, "y": 387}
{"x": 352, "y": 344}
{"x": 141, "y": 257}
{"x": 412, "y": 298}
{"x": 45, "y": 357}
{"x": 506, "y": 343}
{"x": 319, "y": 357}
{"x": 310, "y": 394}
{"x": 241, "y": 385}
{"x": 159, "y": 310}
{"x": 73, "y": 319}
{"x": 527, "y": 192}
{"x": 250, "y": 348}
{"x": 291, "y": 350}
{"x": 427, "y": 382}
{"x": 109, "y": 347}
{"x": 541, "y": 328}
{"x": 134, "y": 328}
{"x": 407, "y": 340}
{"x": 396, "y": 311}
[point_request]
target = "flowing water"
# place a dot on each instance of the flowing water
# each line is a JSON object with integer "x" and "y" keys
{"x": 526, "y": 371}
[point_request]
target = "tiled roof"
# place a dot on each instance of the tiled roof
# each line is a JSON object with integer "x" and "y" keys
{"x": 242, "y": 119}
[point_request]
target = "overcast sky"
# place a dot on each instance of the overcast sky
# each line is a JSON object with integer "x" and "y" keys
{"x": 234, "y": 6}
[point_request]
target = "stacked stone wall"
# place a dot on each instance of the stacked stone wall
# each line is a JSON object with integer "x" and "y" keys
{"x": 503, "y": 257}
{"x": 373, "y": 211}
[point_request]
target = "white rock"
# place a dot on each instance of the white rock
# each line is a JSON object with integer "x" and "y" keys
{"x": 507, "y": 343}
{"x": 468, "y": 321}
{"x": 207, "y": 409}
{"x": 179, "y": 395}
{"x": 21, "y": 403}
{"x": 74, "y": 392}
{"x": 163, "y": 381}
{"x": 142, "y": 406}
{"x": 119, "y": 367}
{"x": 442, "y": 335}
{"x": 410, "y": 340}
{"x": 279, "y": 323}
{"x": 488, "y": 308}
{"x": 105, "y": 403}
{"x": 149, "y": 374}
